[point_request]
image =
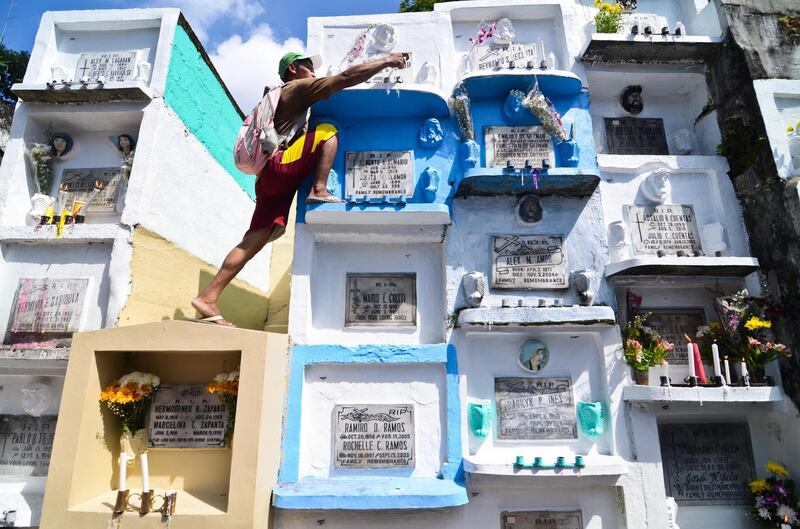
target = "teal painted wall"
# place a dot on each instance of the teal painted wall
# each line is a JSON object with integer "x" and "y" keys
{"x": 195, "y": 94}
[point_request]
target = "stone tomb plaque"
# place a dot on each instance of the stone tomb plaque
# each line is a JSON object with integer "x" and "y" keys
{"x": 707, "y": 463}
{"x": 668, "y": 227}
{"x": 116, "y": 66}
{"x": 381, "y": 300}
{"x": 374, "y": 436}
{"x": 517, "y": 144}
{"x": 379, "y": 173}
{"x": 81, "y": 183}
{"x": 487, "y": 58}
{"x": 529, "y": 261}
{"x": 25, "y": 444}
{"x": 44, "y": 305}
{"x": 672, "y": 324}
{"x": 535, "y": 409}
{"x": 636, "y": 136}
{"x": 186, "y": 416}
{"x": 542, "y": 520}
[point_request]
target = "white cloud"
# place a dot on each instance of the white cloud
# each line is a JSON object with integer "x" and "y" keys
{"x": 202, "y": 14}
{"x": 247, "y": 65}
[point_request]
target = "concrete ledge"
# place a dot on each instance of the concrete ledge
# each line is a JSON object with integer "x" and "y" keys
{"x": 597, "y": 465}
{"x": 384, "y": 101}
{"x": 361, "y": 494}
{"x": 72, "y": 234}
{"x": 496, "y": 181}
{"x": 40, "y": 93}
{"x": 671, "y": 265}
{"x": 378, "y": 214}
{"x": 491, "y": 84}
{"x": 9, "y": 352}
{"x": 487, "y": 317}
{"x": 616, "y": 47}
{"x": 702, "y": 395}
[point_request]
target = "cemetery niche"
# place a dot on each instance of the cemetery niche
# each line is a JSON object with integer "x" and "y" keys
{"x": 381, "y": 300}
{"x": 46, "y": 311}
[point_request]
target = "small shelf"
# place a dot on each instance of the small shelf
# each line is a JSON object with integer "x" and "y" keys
{"x": 10, "y": 352}
{"x": 618, "y": 47}
{"x": 683, "y": 266}
{"x": 384, "y": 101}
{"x": 487, "y": 317}
{"x": 702, "y": 395}
{"x": 367, "y": 493}
{"x": 497, "y": 84}
{"x": 116, "y": 92}
{"x": 596, "y": 465}
{"x": 72, "y": 234}
{"x": 495, "y": 181}
{"x": 378, "y": 214}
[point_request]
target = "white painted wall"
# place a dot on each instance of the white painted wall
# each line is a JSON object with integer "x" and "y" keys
{"x": 779, "y": 102}
{"x": 326, "y": 385}
{"x": 439, "y": 519}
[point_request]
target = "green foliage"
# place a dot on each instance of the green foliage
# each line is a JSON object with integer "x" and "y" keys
{"x": 791, "y": 26}
{"x": 12, "y": 69}
{"x": 408, "y": 6}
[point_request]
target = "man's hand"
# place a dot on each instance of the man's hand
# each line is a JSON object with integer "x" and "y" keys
{"x": 397, "y": 60}
{"x": 361, "y": 72}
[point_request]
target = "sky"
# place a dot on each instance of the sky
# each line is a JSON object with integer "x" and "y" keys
{"x": 244, "y": 38}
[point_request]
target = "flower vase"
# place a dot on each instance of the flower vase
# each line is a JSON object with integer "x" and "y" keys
{"x": 642, "y": 378}
{"x": 757, "y": 374}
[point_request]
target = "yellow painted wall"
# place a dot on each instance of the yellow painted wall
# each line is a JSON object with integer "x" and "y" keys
{"x": 165, "y": 279}
{"x": 280, "y": 278}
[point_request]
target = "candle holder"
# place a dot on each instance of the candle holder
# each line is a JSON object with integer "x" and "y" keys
{"x": 665, "y": 381}
{"x": 122, "y": 501}
{"x": 147, "y": 502}
{"x": 690, "y": 381}
{"x": 744, "y": 381}
{"x": 717, "y": 381}
{"x": 170, "y": 500}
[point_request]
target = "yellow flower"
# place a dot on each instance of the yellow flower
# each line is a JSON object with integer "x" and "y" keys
{"x": 597, "y": 3}
{"x": 759, "y": 485}
{"x": 777, "y": 469}
{"x": 757, "y": 323}
{"x": 788, "y": 129}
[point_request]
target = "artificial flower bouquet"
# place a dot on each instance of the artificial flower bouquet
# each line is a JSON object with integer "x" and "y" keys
{"x": 744, "y": 330}
{"x": 642, "y": 347}
{"x": 543, "y": 109}
{"x": 463, "y": 112}
{"x": 41, "y": 157}
{"x": 609, "y": 16}
{"x": 774, "y": 497}
{"x": 226, "y": 387}
{"x": 129, "y": 398}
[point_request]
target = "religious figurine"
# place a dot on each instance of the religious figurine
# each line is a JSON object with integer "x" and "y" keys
{"x": 503, "y": 33}
{"x": 126, "y": 146}
{"x": 383, "y": 38}
{"x": 683, "y": 141}
{"x": 431, "y": 134}
{"x": 582, "y": 281}
{"x": 656, "y": 186}
{"x": 474, "y": 285}
{"x": 428, "y": 74}
{"x": 35, "y": 398}
{"x": 631, "y": 100}
{"x": 617, "y": 240}
{"x": 144, "y": 69}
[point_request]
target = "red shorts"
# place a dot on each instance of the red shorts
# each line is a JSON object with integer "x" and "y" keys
{"x": 278, "y": 181}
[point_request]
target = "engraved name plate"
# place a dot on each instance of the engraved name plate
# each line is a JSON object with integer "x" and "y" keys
{"x": 381, "y": 299}
{"x": 487, "y": 58}
{"x": 186, "y": 416}
{"x": 636, "y": 136}
{"x": 25, "y": 444}
{"x": 672, "y": 324}
{"x": 668, "y": 227}
{"x": 373, "y": 436}
{"x": 535, "y": 408}
{"x": 542, "y": 520}
{"x": 81, "y": 183}
{"x": 707, "y": 463}
{"x": 529, "y": 261}
{"x": 379, "y": 173}
{"x": 116, "y": 66}
{"x": 517, "y": 144}
{"x": 44, "y": 305}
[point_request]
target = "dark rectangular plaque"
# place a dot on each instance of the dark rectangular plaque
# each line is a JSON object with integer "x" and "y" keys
{"x": 672, "y": 324}
{"x": 707, "y": 463}
{"x": 81, "y": 183}
{"x": 636, "y": 136}
{"x": 518, "y": 145}
{"x": 535, "y": 408}
{"x": 381, "y": 300}
{"x": 186, "y": 416}
{"x": 542, "y": 520}
{"x": 45, "y": 305}
{"x": 373, "y": 436}
{"x": 529, "y": 261}
{"x": 25, "y": 444}
{"x": 668, "y": 227}
{"x": 115, "y": 66}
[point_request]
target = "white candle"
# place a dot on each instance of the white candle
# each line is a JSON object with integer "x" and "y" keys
{"x": 123, "y": 464}
{"x": 727, "y": 372}
{"x": 690, "y": 350}
{"x": 715, "y": 355}
{"x": 666, "y": 370}
{"x": 541, "y": 47}
{"x": 743, "y": 368}
{"x": 145, "y": 473}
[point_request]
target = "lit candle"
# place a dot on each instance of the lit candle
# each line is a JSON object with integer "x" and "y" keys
{"x": 145, "y": 473}
{"x": 727, "y": 372}
{"x": 123, "y": 464}
{"x": 785, "y": 524}
{"x": 743, "y": 368}
{"x": 715, "y": 355}
{"x": 690, "y": 351}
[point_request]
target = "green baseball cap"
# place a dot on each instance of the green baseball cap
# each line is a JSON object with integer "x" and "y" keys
{"x": 293, "y": 56}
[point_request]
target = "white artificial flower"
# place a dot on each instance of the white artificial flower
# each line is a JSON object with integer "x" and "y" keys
{"x": 764, "y": 513}
{"x": 702, "y": 330}
{"x": 220, "y": 378}
{"x": 785, "y": 512}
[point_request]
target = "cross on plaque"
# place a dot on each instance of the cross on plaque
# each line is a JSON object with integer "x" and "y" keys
{"x": 84, "y": 68}
{"x": 639, "y": 225}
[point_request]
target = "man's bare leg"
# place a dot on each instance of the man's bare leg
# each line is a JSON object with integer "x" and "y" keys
{"x": 252, "y": 243}
{"x": 325, "y": 158}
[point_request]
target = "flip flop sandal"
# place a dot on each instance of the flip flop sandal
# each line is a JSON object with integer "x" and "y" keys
{"x": 324, "y": 200}
{"x": 211, "y": 320}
